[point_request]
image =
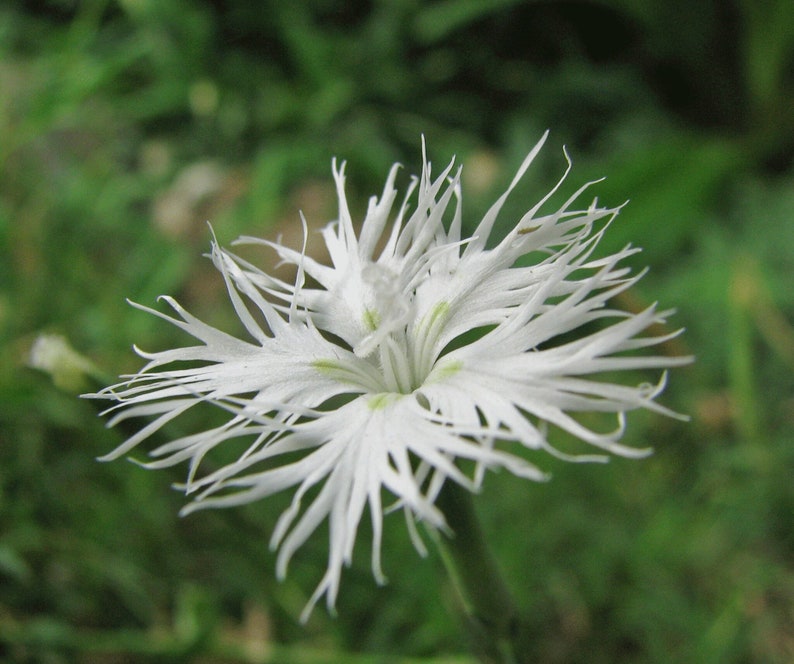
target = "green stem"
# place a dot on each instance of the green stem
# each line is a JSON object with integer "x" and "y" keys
{"x": 498, "y": 634}
{"x": 744, "y": 296}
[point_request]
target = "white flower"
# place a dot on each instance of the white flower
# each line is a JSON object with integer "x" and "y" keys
{"x": 414, "y": 349}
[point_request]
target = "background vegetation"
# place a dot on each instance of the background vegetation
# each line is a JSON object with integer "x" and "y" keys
{"x": 126, "y": 124}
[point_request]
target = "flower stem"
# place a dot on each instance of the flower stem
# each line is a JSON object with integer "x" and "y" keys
{"x": 498, "y": 634}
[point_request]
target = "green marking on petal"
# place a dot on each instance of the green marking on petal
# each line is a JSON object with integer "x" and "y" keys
{"x": 348, "y": 373}
{"x": 438, "y": 312}
{"x": 382, "y": 400}
{"x": 444, "y": 370}
{"x": 326, "y": 366}
{"x": 371, "y": 319}
{"x": 338, "y": 371}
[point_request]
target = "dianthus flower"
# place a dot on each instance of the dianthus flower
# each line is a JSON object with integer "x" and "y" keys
{"x": 416, "y": 349}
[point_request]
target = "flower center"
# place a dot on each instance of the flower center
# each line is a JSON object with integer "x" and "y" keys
{"x": 386, "y": 308}
{"x": 398, "y": 352}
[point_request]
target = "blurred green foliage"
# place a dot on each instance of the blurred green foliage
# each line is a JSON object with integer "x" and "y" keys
{"x": 125, "y": 125}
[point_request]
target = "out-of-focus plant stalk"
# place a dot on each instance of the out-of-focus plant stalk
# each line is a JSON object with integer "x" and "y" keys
{"x": 497, "y": 632}
{"x": 743, "y": 291}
